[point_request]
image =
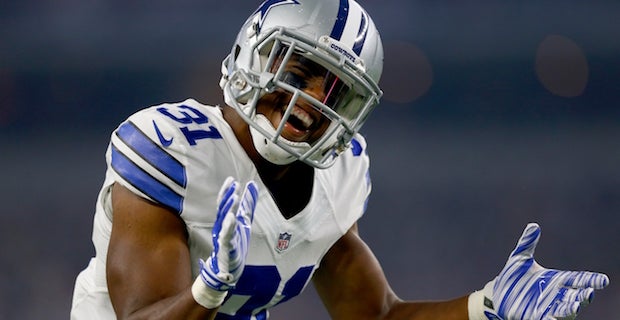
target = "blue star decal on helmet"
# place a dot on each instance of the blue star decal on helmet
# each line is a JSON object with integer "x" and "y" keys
{"x": 267, "y": 5}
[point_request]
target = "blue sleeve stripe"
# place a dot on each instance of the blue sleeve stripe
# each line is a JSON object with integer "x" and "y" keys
{"x": 152, "y": 153}
{"x": 144, "y": 182}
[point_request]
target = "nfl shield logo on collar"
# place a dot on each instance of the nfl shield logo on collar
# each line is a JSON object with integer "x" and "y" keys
{"x": 283, "y": 241}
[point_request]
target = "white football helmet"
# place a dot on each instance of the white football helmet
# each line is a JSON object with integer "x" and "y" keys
{"x": 342, "y": 43}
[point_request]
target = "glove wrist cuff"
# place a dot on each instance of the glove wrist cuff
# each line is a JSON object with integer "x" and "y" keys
{"x": 479, "y": 304}
{"x": 475, "y": 306}
{"x": 207, "y": 296}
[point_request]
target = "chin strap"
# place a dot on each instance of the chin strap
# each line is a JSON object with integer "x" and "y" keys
{"x": 269, "y": 149}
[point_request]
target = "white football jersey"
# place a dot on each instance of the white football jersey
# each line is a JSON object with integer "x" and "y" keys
{"x": 178, "y": 155}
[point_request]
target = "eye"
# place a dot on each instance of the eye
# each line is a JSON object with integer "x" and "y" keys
{"x": 295, "y": 80}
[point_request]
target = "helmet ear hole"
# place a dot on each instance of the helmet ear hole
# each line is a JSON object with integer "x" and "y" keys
{"x": 237, "y": 51}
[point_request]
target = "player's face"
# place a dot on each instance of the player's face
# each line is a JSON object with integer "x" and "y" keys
{"x": 306, "y": 122}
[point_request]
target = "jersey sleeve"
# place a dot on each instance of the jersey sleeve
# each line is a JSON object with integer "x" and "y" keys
{"x": 353, "y": 184}
{"x": 146, "y": 155}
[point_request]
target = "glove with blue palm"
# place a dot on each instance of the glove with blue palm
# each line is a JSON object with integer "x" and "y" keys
{"x": 524, "y": 290}
{"x": 231, "y": 236}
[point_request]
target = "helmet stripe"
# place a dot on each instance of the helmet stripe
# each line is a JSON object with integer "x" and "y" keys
{"x": 341, "y": 20}
{"x": 361, "y": 35}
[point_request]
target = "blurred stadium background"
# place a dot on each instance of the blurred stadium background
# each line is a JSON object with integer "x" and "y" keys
{"x": 496, "y": 113}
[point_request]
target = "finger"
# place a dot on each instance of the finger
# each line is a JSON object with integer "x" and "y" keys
{"x": 583, "y": 296}
{"x": 564, "y": 309}
{"x": 224, "y": 226}
{"x": 226, "y": 245}
{"x": 224, "y": 206}
{"x": 248, "y": 203}
{"x": 585, "y": 279}
{"x": 226, "y": 190}
{"x": 245, "y": 213}
{"x": 528, "y": 241}
{"x": 229, "y": 222}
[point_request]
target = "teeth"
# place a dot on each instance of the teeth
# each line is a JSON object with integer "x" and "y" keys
{"x": 303, "y": 116}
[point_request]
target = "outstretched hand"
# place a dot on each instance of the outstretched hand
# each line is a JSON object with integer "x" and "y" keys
{"x": 524, "y": 290}
{"x": 231, "y": 236}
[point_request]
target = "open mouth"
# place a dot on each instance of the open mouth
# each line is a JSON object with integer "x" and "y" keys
{"x": 304, "y": 122}
{"x": 301, "y": 124}
{"x": 300, "y": 119}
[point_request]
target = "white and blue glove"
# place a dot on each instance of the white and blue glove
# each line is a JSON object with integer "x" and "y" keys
{"x": 524, "y": 290}
{"x": 231, "y": 236}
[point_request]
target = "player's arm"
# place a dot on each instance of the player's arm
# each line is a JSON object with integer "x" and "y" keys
{"x": 148, "y": 265}
{"x": 352, "y": 285}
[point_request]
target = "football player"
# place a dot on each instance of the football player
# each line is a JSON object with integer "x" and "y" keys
{"x": 222, "y": 212}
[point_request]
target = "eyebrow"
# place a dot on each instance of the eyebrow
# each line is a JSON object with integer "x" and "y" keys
{"x": 305, "y": 71}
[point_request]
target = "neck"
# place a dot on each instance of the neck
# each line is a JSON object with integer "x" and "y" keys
{"x": 290, "y": 185}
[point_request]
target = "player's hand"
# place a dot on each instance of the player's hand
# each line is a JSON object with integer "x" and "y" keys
{"x": 231, "y": 235}
{"x": 524, "y": 290}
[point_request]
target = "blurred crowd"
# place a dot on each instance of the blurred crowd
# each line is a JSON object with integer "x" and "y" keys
{"x": 495, "y": 114}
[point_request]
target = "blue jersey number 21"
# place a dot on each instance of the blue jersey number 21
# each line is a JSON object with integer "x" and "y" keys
{"x": 257, "y": 287}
